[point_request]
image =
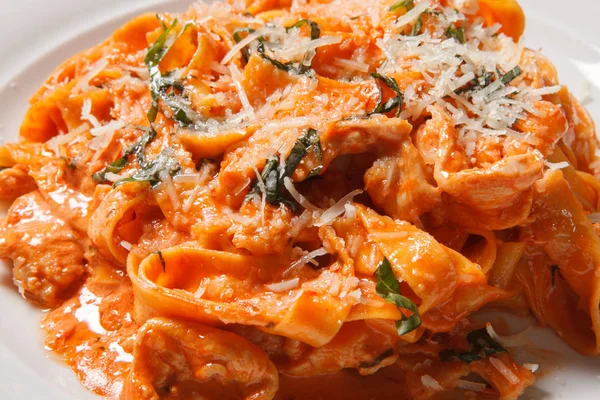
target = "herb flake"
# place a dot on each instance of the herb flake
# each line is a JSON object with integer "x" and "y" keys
{"x": 482, "y": 347}
{"x": 388, "y": 288}
{"x": 272, "y": 175}
{"x": 394, "y": 102}
{"x": 511, "y": 75}
{"x": 456, "y": 33}
{"x": 166, "y": 86}
{"x": 406, "y": 4}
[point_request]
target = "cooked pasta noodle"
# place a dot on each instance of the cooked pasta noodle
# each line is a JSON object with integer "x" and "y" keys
{"x": 235, "y": 201}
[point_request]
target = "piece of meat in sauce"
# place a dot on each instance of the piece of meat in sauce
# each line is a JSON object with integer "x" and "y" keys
{"x": 46, "y": 253}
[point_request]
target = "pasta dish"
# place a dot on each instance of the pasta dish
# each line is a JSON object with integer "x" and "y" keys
{"x": 277, "y": 199}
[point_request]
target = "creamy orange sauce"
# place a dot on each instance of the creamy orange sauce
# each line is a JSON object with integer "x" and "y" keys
{"x": 94, "y": 331}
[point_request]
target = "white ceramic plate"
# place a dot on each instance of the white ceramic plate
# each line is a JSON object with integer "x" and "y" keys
{"x": 38, "y": 35}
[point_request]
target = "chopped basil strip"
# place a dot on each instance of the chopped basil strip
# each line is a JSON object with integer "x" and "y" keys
{"x": 394, "y": 102}
{"x": 553, "y": 270}
{"x": 308, "y": 141}
{"x": 407, "y": 4}
{"x": 456, "y": 33}
{"x": 150, "y": 172}
{"x": 315, "y": 31}
{"x": 417, "y": 26}
{"x": 388, "y": 288}
{"x": 302, "y": 67}
{"x": 478, "y": 83}
{"x": 153, "y": 57}
{"x": 273, "y": 175}
{"x": 166, "y": 86}
{"x": 162, "y": 260}
{"x": 287, "y": 67}
{"x": 482, "y": 347}
{"x": 378, "y": 360}
{"x": 238, "y": 38}
{"x": 511, "y": 75}
{"x": 136, "y": 148}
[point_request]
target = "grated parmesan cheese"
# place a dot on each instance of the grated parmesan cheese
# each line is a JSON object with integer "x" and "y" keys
{"x": 302, "y": 49}
{"x": 305, "y": 259}
{"x": 520, "y": 339}
{"x": 84, "y": 83}
{"x": 351, "y": 65}
{"x": 283, "y": 286}
{"x": 412, "y": 15}
{"x": 504, "y": 370}
{"x": 86, "y": 113}
{"x": 554, "y": 166}
{"x": 237, "y": 77}
{"x": 429, "y": 382}
{"x": 470, "y": 385}
{"x": 532, "y": 367}
{"x": 289, "y": 185}
{"x": 337, "y": 209}
{"x": 243, "y": 43}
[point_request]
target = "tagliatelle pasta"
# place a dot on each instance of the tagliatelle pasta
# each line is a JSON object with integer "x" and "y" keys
{"x": 302, "y": 199}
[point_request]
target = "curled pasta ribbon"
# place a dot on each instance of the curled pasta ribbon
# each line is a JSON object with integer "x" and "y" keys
{"x": 181, "y": 360}
{"x": 507, "y": 13}
{"x": 563, "y": 289}
{"x": 215, "y": 287}
{"x": 117, "y": 218}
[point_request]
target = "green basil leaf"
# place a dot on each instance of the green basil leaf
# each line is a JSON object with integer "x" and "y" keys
{"x": 511, "y": 75}
{"x": 394, "y": 102}
{"x": 238, "y": 38}
{"x": 163, "y": 86}
{"x": 277, "y": 64}
{"x": 456, "y": 33}
{"x": 136, "y": 148}
{"x": 388, "y": 288}
{"x": 407, "y": 4}
{"x": 417, "y": 26}
{"x": 273, "y": 175}
{"x": 315, "y": 31}
{"x": 482, "y": 347}
{"x": 150, "y": 172}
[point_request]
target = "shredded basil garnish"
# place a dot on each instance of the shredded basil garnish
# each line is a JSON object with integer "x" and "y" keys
{"x": 456, "y": 33}
{"x": 136, "y": 148}
{"x": 553, "y": 270}
{"x": 407, "y": 4}
{"x": 302, "y": 67}
{"x": 315, "y": 31}
{"x": 287, "y": 67}
{"x": 511, "y": 75}
{"x": 166, "y": 86}
{"x": 238, "y": 38}
{"x": 150, "y": 172}
{"x": 392, "y": 103}
{"x": 478, "y": 83}
{"x": 273, "y": 175}
{"x": 417, "y": 26}
{"x": 388, "y": 288}
{"x": 482, "y": 347}
{"x": 162, "y": 260}
{"x": 378, "y": 360}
